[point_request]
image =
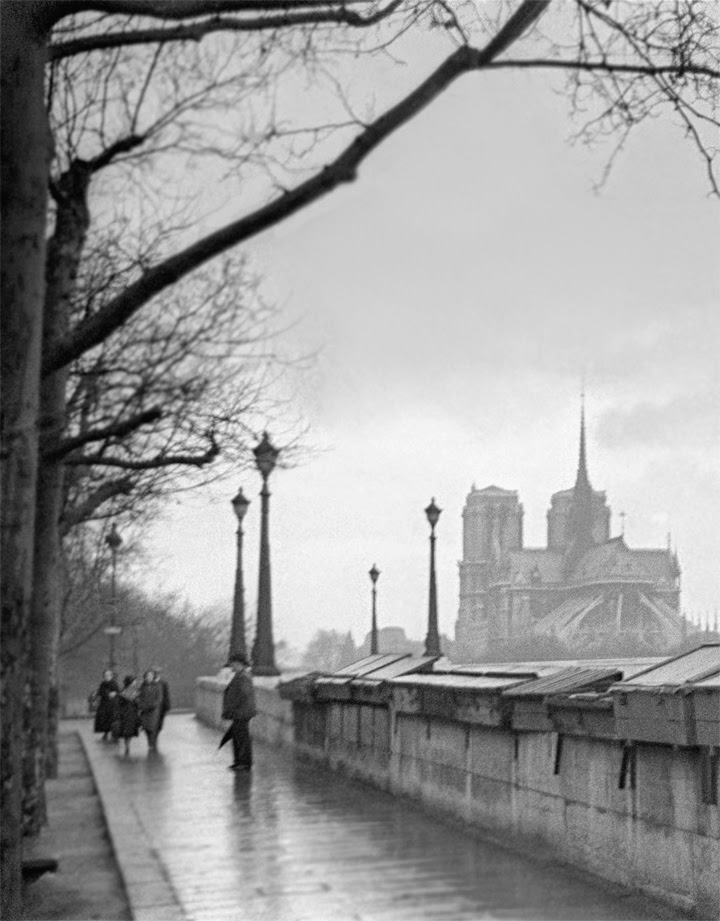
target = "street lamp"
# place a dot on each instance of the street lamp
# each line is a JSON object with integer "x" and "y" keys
{"x": 432, "y": 641}
{"x": 237, "y": 632}
{"x": 264, "y": 650}
{"x": 374, "y": 573}
{"x": 113, "y": 540}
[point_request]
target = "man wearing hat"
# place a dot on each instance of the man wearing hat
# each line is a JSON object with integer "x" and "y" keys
{"x": 239, "y": 706}
{"x": 165, "y": 704}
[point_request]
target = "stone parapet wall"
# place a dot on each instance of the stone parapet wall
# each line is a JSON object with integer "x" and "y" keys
{"x": 274, "y": 720}
{"x": 655, "y": 835}
{"x": 633, "y": 814}
{"x": 208, "y": 698}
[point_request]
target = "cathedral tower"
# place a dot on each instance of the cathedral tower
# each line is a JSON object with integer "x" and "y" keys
{"x": 492, "y": 530}
{"x": 492, "y": 524}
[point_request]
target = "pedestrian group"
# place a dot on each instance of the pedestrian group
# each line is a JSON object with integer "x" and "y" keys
{"x": 120, "y": 713}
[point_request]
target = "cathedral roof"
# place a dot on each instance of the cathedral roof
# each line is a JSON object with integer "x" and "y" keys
{"x": 548, "y": 563}
{"x": 614, "y": 561}
{"x": 658, "y": 563}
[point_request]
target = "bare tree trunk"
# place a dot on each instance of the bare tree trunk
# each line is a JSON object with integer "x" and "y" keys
{"x": 26, "y": 152}
{"x": 52, "y": 756}
{"x": 64, "y": 252}
{"x": 42, "y": 644}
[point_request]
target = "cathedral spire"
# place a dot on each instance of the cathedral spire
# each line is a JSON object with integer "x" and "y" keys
{"x": 582, "y": 478}
{"x": 580, "y": 525}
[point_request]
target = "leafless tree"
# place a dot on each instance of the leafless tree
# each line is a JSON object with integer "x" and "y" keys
{"x": 146, "y": 413}
{"x": 625, "y": 62}
{"x": 170, "y": 390}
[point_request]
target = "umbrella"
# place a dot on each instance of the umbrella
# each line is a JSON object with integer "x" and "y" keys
{"x": 226, "y": 737}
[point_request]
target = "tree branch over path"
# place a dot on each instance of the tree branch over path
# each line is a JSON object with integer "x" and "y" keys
{"x": 342, "y": 170}
{"x": 169, "y": 460}
{"x": 83, "y": 511}
{"x": 182, "y": 9}
{"x": 196, "y": 31}
{"x": 639, "y": 70}
{"x": 118, "y": 430}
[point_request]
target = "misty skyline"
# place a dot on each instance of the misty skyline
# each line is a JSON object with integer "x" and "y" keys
{"x": 460, "y": 292}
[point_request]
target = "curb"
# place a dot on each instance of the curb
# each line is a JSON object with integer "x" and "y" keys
{"x": 149, "y": 891}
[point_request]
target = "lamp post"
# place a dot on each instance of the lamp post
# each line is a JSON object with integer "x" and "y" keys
{"x": 374, "y": 573}
{"x": 113, "y": 540}
{"x": 432, "y": 641}
{"x": 237, "y": 631}
{"x": 264, "y": 649}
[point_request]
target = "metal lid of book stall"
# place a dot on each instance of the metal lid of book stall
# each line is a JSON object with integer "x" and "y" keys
{"x": 661, "y": 704}
{"x": 373, "y": 687}
{"x": 304, "y": 687}
{"x": 573, "y": 679}
{"x": 370, "y": 663}
{"x": 540, "y": 669}
{"x": 506, "y": 669}
{"x": 683, "y": 669}
{"x": 300, "y": 689}
{"x": 531, "y": 701}
{"x": 589, "y": 712}
{"x": 365, "y": 679}
{"x": 465, "y": 698}
{"x": 706, "y": 706}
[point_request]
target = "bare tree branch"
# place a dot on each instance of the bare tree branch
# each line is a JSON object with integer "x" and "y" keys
{"x": 169, "y": 460}
{"x": 110, "y": 489}
{"x": 119, "y": 430}
{"x": 196, "y": 31}
{"x": 342, "y": 170}
{"x": 124, "y": 145}
{"x": 182, "y": 9}
{"x": 602, "y": 66}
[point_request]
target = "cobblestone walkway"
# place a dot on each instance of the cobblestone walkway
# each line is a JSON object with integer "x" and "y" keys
{"x": 292, "y": 841}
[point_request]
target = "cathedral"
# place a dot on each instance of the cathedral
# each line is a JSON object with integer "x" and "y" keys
{"x": 586, "y": 593}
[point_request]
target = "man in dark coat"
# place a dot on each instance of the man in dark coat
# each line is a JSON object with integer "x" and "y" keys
{"x": 104, "y": 698}
{"x": 165, "y": 706}
{"x": 239, "y": 706}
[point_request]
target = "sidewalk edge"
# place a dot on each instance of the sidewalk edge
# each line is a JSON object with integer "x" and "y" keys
{"x": 148, "y": 888}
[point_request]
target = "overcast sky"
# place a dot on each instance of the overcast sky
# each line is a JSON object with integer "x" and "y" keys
{"x": 460, "y": 292}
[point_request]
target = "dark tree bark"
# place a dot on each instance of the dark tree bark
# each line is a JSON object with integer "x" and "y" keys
{"x": 64, "y": 252}
{"x": 26, "y": 151}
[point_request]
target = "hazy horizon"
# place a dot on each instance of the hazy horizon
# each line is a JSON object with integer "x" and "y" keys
{"x": 460, "y": 292}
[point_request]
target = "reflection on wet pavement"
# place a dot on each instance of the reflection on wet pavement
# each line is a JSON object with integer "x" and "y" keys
{"x": 293, "y": 841}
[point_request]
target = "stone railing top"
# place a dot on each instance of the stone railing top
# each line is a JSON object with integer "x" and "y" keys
{"x": 221, "y": 680}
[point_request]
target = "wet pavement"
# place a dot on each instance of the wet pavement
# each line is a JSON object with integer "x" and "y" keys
{"x": 87, "y": 884}
{"x": 293, "y": 841}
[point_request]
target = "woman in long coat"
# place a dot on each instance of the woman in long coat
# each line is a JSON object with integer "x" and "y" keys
{"x": 105, "y": 696}
{"x": 150, "y": 701}
{"x": 126, "y": 724}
